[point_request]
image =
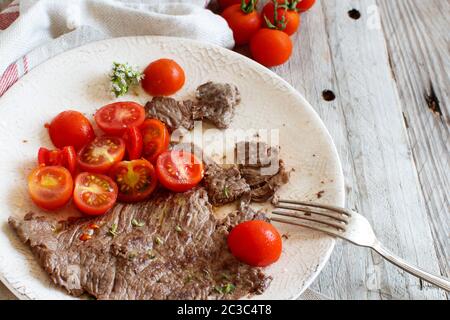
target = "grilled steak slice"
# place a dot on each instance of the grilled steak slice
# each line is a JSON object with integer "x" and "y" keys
{"x": 170, "y": 247}
{"x": 216, "y": 102}
{"x": 262, "y": 169}
{"x": 173, "y": 113}
{"x": 224, "y": 184}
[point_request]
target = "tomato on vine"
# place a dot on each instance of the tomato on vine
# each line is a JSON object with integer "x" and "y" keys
{"x": 282, "y": 15}
{"x": 244, "y": 20}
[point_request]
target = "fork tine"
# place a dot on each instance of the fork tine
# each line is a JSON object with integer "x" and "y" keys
{"x": 329, "y": 231}
{"x": 318, "y": 205}
{"x": 342, "y": 218}
{"x": 297, "y": 216}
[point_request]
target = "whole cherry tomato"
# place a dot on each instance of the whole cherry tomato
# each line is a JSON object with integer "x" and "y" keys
{"x": 287, "y": 18}
{"x": 71, "y": 128}
{"x": 271, "y": 47}
{"x": 255, "y": 242}
{"x": 244, "y": 20}
{"x": 304, "y": 5}
{"x": 163, "y": 77}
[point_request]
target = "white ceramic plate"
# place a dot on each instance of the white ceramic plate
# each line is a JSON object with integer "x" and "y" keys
{"x": 78, "y": 80}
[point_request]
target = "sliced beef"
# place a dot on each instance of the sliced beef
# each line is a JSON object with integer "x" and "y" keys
{"x": 224, "y": 184}
{"x": 262, "y": 169}
{"x": 170, "y": 247}
{"x": 216, "y": 102}
{"x": 173, "y": 113}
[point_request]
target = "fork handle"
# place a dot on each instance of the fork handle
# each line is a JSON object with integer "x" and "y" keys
{"x": 402, "y": 264}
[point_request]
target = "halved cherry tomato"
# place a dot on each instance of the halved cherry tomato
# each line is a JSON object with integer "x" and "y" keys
{"x": 287, "y": 18}
{"x": 271, "y": 47}
{"x": 133, "y": 143}
{"x": 245, "y": 21}
{"x": 50, "y": 187}
{"x": 101, "y": 154}
{"x": 135, "y": 179}
{"x": 255, "y": 242}
{"x": 70, "y": 128}
{"x": 163, "y": 77}
{"x": 155, "y": 139}
{"x": 66, "y": 157}
{"x": 114, "y": 118}
{"x": 94, "y": 193}
{"x": 179, "y": 171}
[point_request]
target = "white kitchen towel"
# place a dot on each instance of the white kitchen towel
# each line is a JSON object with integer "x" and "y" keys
{"x": 45, "y": 22}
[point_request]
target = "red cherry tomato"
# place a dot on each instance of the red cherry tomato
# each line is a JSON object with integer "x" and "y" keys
{"x": 163, "y": 77}
{"x": 305, "y": 5}
{"x": 70, "y": 128}
{"x": 155, "y": 139}
{"x": 135, "y": 179}
{"x": 50, "y": 187}
{"x": 133, "y": 143}
{"x": 101, "y": 154}
{"x": 271, "y": 47}
{"x": 243, "y": 23}
{"x": 94, "y": 193}
{"x": 179, "y": 171}
{"x": 66, "y": 157}
{"x": 289, "y": 17}
{"x": 116, "y": 117}
{"x": 256, "y": 243}
{"x": 226, "y": 3}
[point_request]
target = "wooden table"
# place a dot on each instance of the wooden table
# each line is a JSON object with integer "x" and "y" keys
{"x": 389, "y": 72}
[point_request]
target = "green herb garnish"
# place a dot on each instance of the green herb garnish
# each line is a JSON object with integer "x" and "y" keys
{"x": 137, "y": 223}
{"x": 226, "y": 277}
{"x": 150, "y": 254}
{"x": 225, "y": 289}
{"x": 226, "y": 191}
{"x": 122, "y": 77}
{"x": 159, "y": 241}
{"x": 113, "y": 230}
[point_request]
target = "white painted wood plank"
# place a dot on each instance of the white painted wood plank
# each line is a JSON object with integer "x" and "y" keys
{"x": 418, "y": 35}
{"x": 350, "y": 57}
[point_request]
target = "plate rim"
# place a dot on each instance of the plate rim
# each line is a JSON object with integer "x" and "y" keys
{"x": 260, "y": 68}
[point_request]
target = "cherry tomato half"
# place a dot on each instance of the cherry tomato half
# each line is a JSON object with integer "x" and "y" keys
{"x": 135, "y": 179}
{"x": 163, "y": 77}
{"x": 243, "y": 24}
{"x": 291, "y": 17}
{"x": 155, "y": 139}
{"x": 50, "y": 187}
{"x": 271, "y": 47}
{"x": 101, "y": 154}
{"x": 179, "y": 171}
{"x": 71, "y": 128}
{"x": 255, "y": 242}
{"x": 133, "y": 143}
{"x": 94, "y": 193}
{"x": 116, "y": 117}
{"x": 66, "y": 157}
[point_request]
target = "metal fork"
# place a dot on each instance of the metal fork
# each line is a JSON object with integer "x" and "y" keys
{"x": 348, "y": 225}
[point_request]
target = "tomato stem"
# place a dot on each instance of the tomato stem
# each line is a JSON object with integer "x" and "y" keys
{"x": 278, "y": 24}
{"x": 248, "y": 7}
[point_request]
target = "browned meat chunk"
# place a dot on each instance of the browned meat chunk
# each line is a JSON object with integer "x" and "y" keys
{"x": 173, "y": 113}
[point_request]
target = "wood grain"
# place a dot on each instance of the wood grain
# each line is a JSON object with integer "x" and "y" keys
{"x": 418, "y": 47}
{"x": 350, "y": 57}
